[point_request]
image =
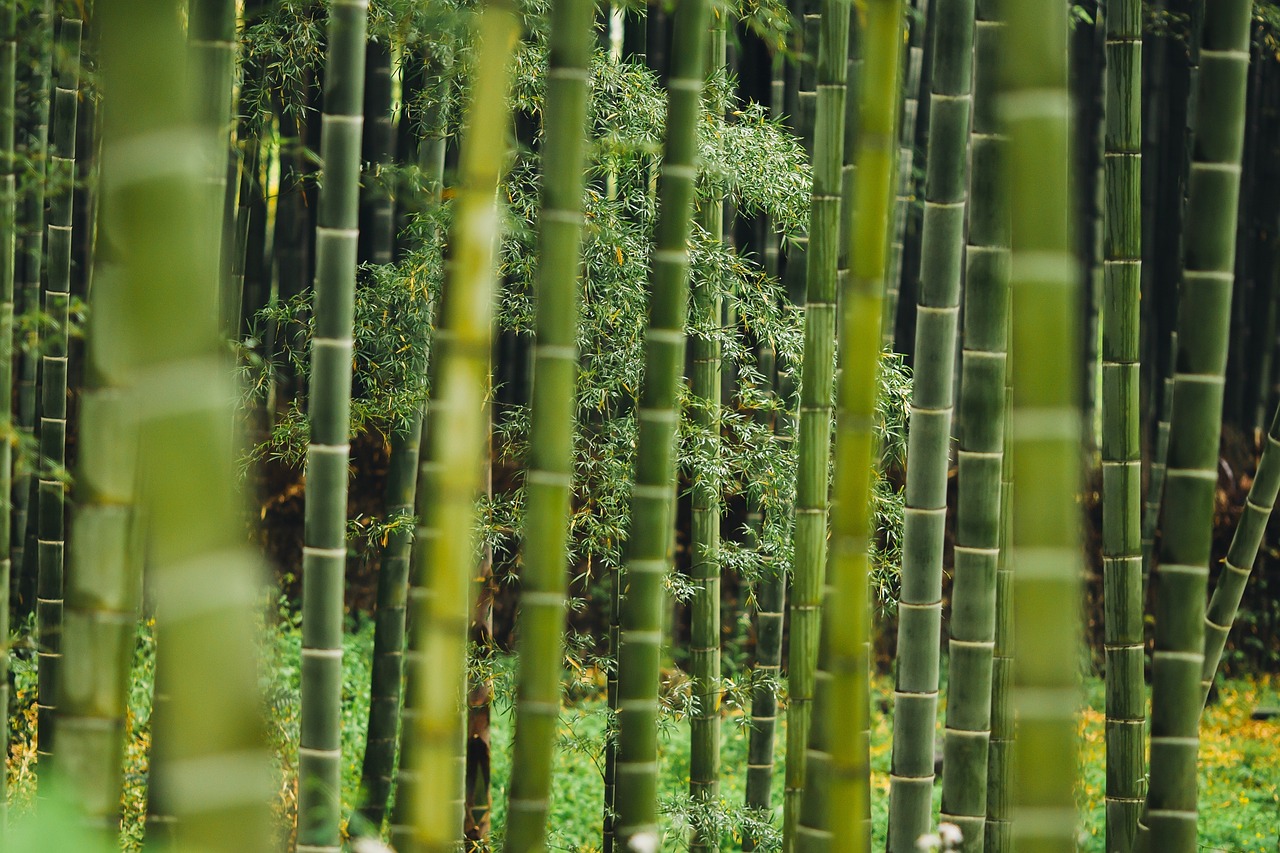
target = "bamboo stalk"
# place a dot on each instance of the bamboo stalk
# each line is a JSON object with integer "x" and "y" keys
{"x": 325, "y": 529}
{"x": 8, "y": 258}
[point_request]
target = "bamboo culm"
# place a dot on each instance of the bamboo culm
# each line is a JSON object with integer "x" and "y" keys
{"x": 8, "y": 259}
{"x": 551, "y": 448}
{"x": 1204, "y": 314}
{"x": 1045, "y": 428}
{"x": 324, "y": 553}
{"x": 653, "y": 495}
{"x": 928, "y": 455}
{"x": 51, "y": 533}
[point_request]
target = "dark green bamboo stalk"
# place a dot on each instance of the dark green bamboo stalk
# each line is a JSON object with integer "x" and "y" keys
{"x": 981, "y": 416}
{"x": 1045, "y": 428}
{"x": 377, "y": 209}
{"x": 211, "y": 29}
{"x": 8, "y": 249}
{"x": 429, "y": 808}
{"x": 324, "y": 535}
{"x": 386, "y": 683}
{"x": 653, "y": 495}
{"x": 551, "y": 447}
{"x": 1203, "y": 327}
{"x": 1159, "y": 461}
{"x": 998, "y": 833}
{"x": 928, "y": 452}
{"x": 30, "y": 272}
{"x": 51, "y": 540}
{"x": 816, "y": 393}
{"x": 159, "y": 281}
{"x": 803, "y": 825}
{"x": 1221, "y": 612}
{"x": 704, "y": 640}
{"x": 837, "y": 797}
{"x": 1121, "y": 425}
{"x": 917, "y": 27}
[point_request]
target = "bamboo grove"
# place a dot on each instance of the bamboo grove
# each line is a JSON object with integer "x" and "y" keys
{"x": 448, "y": 425}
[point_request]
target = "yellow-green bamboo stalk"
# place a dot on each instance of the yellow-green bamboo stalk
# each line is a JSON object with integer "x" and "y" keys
{"x": 1121, "y": 424}
{"x": 551, "y": 447}
{"x": 158, "y": 283}
{"x": 429, "y": 804}
{"x": 1045, "y": 428}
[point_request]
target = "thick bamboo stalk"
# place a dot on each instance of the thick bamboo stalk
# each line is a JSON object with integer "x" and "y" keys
{"x": 1203, "y": 328}
{"x": 805, "y": 816}
{"x": 51, "y": 538}
{"x": 980, "y": 459}
{"x": 704, "y": 641}
{"x": 653, "y": 495}
{"x": 8, "y": 258}
{"x": 30, "y": 261}
{"x": 928, "y": 456}
{"x": 551, "y": 447}
{"x": 325, "y": 529}
{"x": 1121, "y": 425}
{"x": 1258, "y": 506}
{"x": 429, "y": 808}
{"x": 158, "y": 280}
{"x": 1045, "y": 428}
{"x": 835, "y": 813}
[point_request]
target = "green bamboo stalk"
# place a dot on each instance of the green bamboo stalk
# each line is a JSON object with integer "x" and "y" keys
{"x": 211, "y": 33}
{"x": 51, "y": 539}
{"x": 324, "y": 534}
{"x": 704, "y": 640}
{"x": 837, "y": 796}
{"x": 928, "y": 452}
{"x": 8, "y": 258}
{"x": 816, "y": 393}
{"x": 1203, "y": 329}
{"x": 386, "y": 682}
{"x": 917, "y": 27}
{"x": 653, "y": 495}
{"x": 980, "y": 459}
{"x": 1224, "y": 603}
{"x": 377, "y": 208}
{"x": 551, "y": 447}
{"x": 1159, "y": 463}
{"x": 1045, "y": 428}
{"x": 30, "y": 271}
{"x": 1121, "y": 425}
{"x": 429, "y": 807}
{"x": 158, "y": 283}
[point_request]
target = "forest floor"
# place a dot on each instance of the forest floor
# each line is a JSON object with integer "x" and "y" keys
{"x": 1239, "y": 757}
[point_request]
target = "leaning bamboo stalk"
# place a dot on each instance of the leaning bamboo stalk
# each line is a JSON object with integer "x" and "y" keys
{"x": 653, "y": 495}
{"x": 325, "y": 528}
{"x": 836, "y": 818}
{"x": 1224, "y": 603}
{"x": 51, "y": 539}
{"x": 1121, "y": 425}
{"x": 928, "y": 457}
{"x": 1204, "y": 324}
{"x": 805, "y": 813}
{"x": 1045, "y": 428}
{"x": 429, "y": 804}
{"x": 551, "y": 447}
{"x": 158, "y": 280}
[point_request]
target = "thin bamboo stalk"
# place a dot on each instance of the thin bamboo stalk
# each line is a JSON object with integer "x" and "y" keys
{"x": 51, "y": 541}
{"x": 429, "y": 808}
{"x": 1045, "y": 428}
{"x": 928, "y": 456}
{"x": 649, "y": 547}
{"x": 1121, "y": 425}
{"x": 1203, "y": 330}
{"x": 8, "y": 258}
{"x": 325, "y": 528}
{"x": 551, "y": 448}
